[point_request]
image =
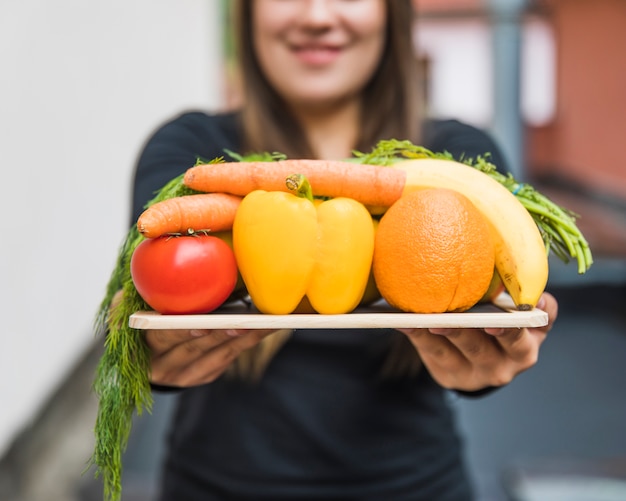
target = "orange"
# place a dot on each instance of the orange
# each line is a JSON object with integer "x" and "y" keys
{"x": 433, "y": 252}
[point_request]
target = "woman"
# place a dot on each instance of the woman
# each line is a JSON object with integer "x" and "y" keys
{"x": 324, "y": 419}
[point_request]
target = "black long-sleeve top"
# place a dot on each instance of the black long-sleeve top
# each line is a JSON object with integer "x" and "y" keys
{"x": 321, "y": 424}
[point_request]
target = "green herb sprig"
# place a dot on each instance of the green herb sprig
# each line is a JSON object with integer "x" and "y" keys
{"x": 122, "y": 381}
{"x": 557, "y": 224}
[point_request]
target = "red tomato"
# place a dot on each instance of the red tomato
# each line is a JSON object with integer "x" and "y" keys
{"x": 184, "y": 275}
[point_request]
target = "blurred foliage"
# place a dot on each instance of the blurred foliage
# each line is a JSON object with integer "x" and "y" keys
{"x": 228, "y": 42}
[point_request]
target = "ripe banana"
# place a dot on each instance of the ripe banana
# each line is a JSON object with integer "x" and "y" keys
{"x": 521, "y": 256}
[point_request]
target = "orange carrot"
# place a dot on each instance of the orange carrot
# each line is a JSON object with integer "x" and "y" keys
{"x": 189, "y": 214}
{"x": 369, "y": 184}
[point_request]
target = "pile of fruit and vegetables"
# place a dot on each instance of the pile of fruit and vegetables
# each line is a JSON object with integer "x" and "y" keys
{"x": 424, "y": 232}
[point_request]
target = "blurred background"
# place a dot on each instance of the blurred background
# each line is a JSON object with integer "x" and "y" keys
{"x": 83, "y": 84}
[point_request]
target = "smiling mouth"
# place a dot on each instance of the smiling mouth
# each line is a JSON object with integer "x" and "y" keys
{"x": 317, "y": 55}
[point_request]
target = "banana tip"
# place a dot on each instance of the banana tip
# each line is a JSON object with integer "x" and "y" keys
{"x": 524, "y": 307}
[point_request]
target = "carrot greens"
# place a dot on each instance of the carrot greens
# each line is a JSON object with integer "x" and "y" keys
{"x": 262, "y": 156}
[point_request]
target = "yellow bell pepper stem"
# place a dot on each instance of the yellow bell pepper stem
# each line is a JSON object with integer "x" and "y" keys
{"x": 299, "y": 185}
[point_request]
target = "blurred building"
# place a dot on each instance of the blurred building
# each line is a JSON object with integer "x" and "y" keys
{"x": 582, "y": 143}
{"x": 575, "y": 112}
{"x": 572, "y": 106}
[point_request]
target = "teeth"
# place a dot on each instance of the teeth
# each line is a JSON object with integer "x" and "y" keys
{"x": 521, "y": 257}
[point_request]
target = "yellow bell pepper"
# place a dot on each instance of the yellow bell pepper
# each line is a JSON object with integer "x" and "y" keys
{"x": 291, "y": 248}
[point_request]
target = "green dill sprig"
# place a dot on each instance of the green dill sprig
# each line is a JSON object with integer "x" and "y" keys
{"x": 557, "y": 224}
{"x": 122, "y": 381}
{"x": 122, "y": 376}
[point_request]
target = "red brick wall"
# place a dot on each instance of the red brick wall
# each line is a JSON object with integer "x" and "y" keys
{"x": 446, "y": 5}
{"x": 587, "y": 142}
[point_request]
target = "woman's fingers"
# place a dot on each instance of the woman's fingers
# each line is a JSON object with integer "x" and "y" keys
{"x": 162, "y": 341}
{"x": 199, "y": 357}
{"x": 484, "y": 349}
{"x": 522, "y": 345}
{"x": 437, "y": 351}
{"x": 464, "y": 359}
{"x": 471, "y": 359}
{"x": 473, "y": 344}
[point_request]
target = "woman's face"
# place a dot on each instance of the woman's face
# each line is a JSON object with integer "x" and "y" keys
{"x": 318, "y": 52}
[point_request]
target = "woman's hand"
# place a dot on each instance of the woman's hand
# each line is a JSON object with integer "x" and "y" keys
{"x": 473, "y": 359}
{"x": 184, "y": 358}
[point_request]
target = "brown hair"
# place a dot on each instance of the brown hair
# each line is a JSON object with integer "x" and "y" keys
{"x": 394, "y": 98}
{"x": 393, "y": 92}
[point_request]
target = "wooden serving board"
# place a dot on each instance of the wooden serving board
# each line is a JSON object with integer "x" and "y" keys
{"x": 500, "y": 313}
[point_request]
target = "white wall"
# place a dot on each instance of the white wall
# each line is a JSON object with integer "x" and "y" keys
{"x": 82, "y": 84}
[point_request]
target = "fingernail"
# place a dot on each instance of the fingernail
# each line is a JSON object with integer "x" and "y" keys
{"x": 541, "y": 303}
{"x": 233, "y": 332}
{"x": 440, "y": 331}
{"x": 495, "y": 331}
{"x": 197, "y": 332}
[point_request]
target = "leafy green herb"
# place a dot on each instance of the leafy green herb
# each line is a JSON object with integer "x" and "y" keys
{"x": 556, "y": 224}
{"x": 122, "y": 381}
